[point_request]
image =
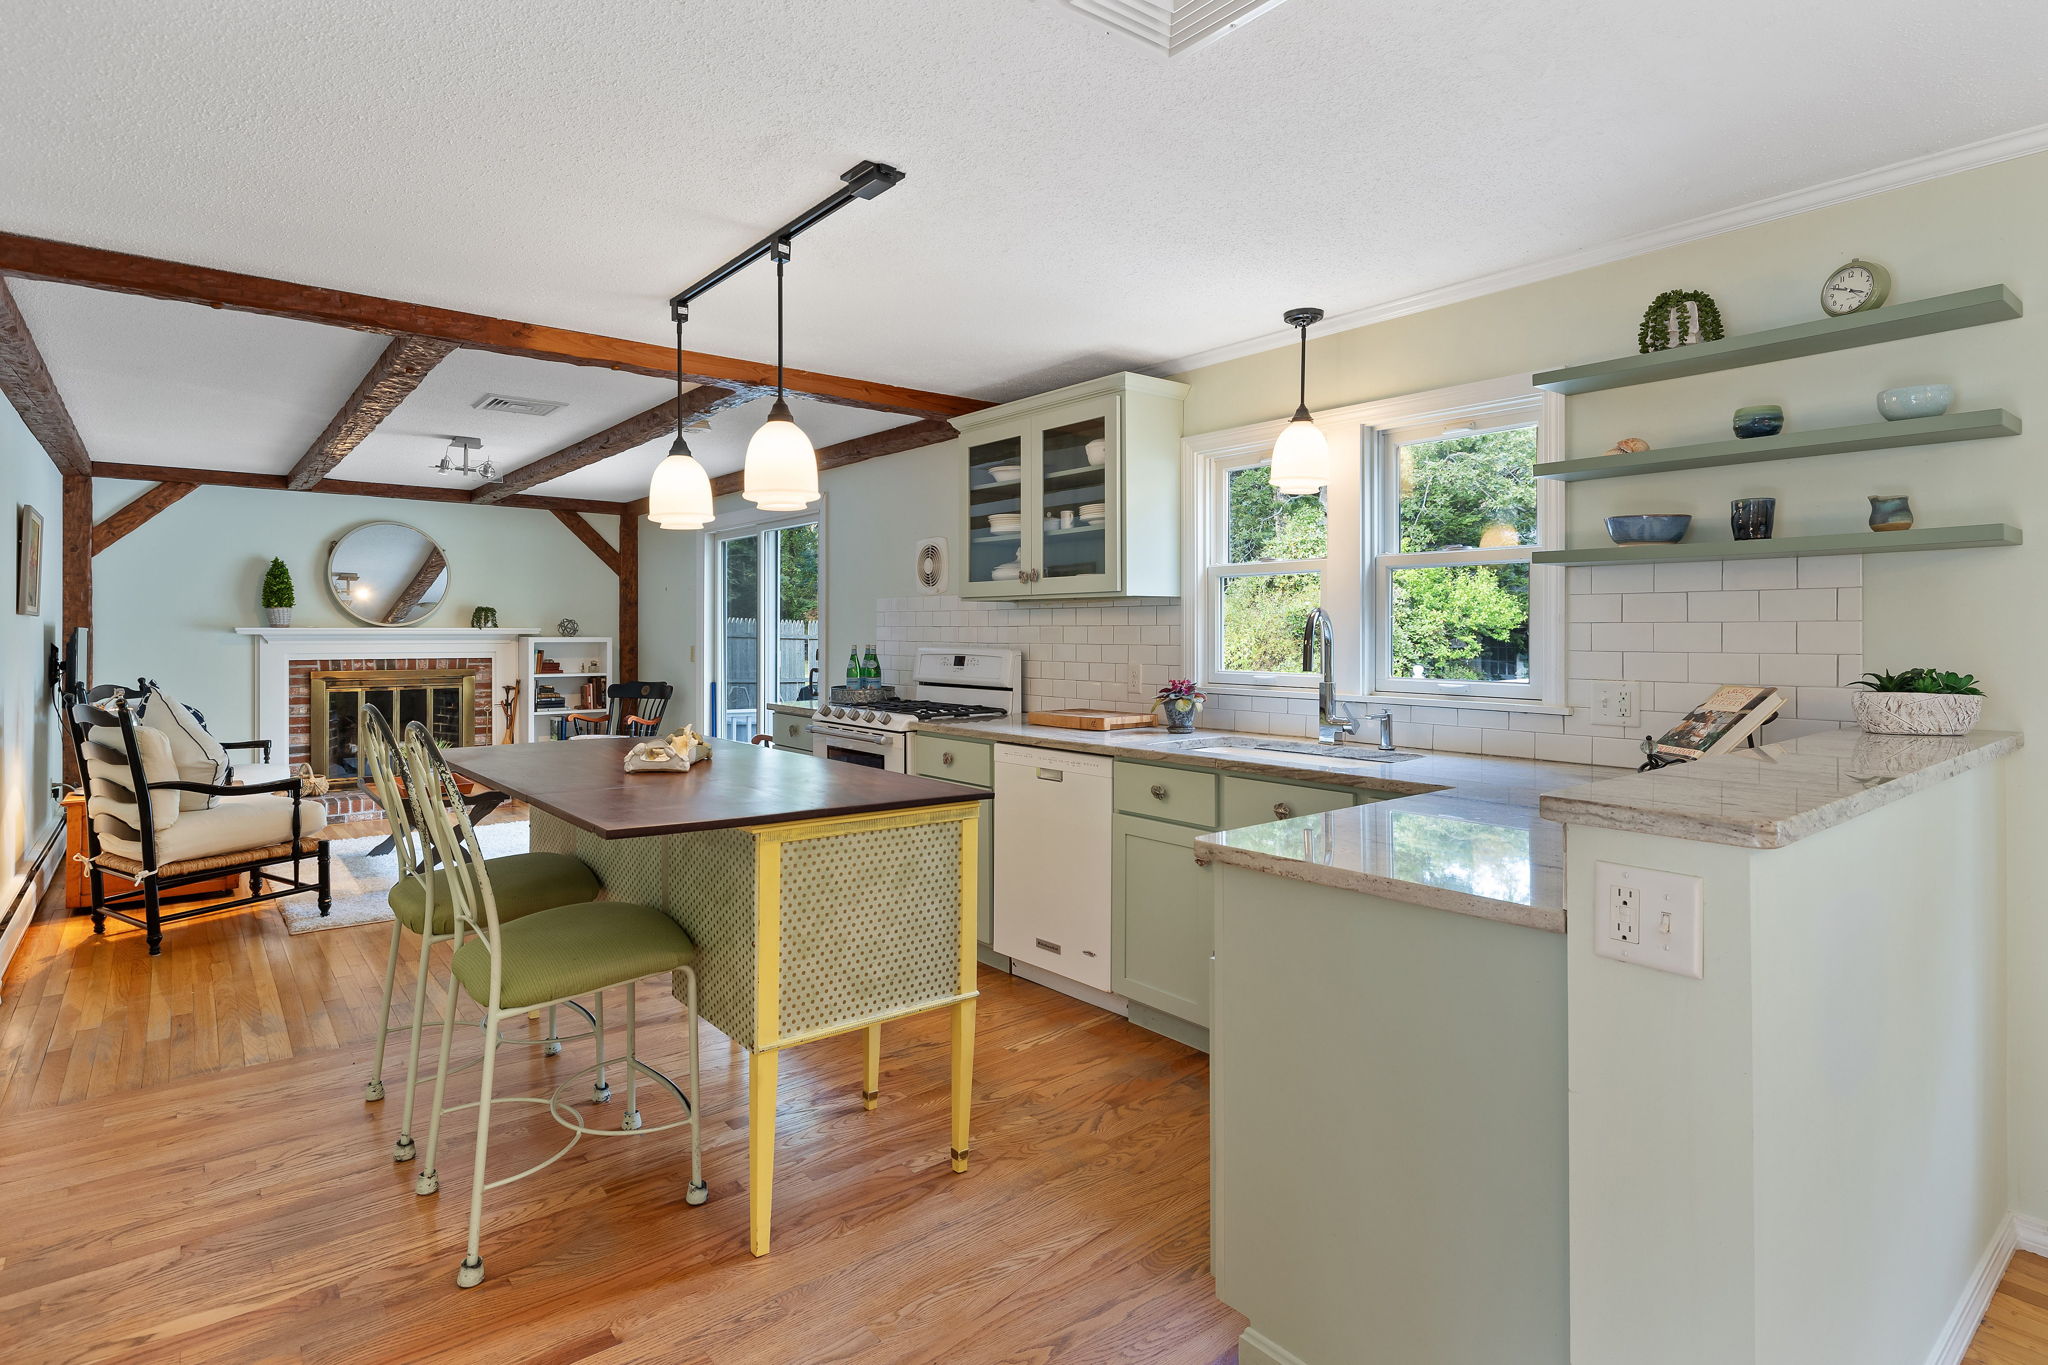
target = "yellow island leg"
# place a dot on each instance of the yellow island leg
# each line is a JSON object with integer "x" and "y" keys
{"x": 871, "y": 1088}
{"x": 761, "y": 1069}
{"x": 963, "y": 1079}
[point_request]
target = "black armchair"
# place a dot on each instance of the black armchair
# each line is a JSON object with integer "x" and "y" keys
{"x": 635, "y": 710}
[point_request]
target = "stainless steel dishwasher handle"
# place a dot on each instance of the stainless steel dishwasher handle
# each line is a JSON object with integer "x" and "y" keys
{"x": 1051, "y": 775}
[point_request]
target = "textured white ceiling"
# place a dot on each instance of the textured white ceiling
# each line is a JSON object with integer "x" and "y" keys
{"x": 1074, "y": 203}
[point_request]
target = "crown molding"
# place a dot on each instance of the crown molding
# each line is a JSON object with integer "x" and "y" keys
{"x": 1970, "y": 156}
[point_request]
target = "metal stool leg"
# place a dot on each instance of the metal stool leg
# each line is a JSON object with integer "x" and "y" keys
{"x": 698, "y": 1191}
{"x": 403, "y": 1149}
{"x": 373, "y": 1089}
{"x": 631, "y": 1119}
{"x": 471, "y": 1272}
{"x": 429, "y": 1179}
{"x": 602, "y": 1090}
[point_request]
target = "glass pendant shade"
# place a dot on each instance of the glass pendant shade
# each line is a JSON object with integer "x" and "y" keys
{"x": 1301, "y": 458}
{"x": 782, "y": 466}
{"x": 679, "y": 497}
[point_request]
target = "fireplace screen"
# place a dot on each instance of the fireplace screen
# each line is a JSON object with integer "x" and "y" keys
{"x": 444, "y": 700}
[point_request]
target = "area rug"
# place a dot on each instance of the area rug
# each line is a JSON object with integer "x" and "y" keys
{"x": 360, "y": 882}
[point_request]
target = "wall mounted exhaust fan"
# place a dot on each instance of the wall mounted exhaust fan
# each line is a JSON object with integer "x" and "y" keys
{"x": 1175, "y": 27}
{"x": 931, "y": 566}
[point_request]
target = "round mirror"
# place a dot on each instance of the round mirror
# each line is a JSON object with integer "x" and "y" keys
{"x": 385, "y": 573}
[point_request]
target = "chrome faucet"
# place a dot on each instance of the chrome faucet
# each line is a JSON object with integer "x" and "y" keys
{"x": 1333, "y": 717}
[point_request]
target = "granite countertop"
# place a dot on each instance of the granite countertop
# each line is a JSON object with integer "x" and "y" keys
{"x": 1780, "y": 793}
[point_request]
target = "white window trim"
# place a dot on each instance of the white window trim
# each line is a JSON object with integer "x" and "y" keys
{"x": 751, "y": 521}
{"x": 1348, "y": 596}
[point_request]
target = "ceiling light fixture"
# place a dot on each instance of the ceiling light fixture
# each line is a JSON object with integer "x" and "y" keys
{"x": 782, "y": 464}
{"x": 458, "y": 466}
{"x": 679, "y": 497}
{"x": 1301, "y": 457}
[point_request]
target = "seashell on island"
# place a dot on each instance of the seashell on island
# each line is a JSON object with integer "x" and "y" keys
{"x": 1628, "y": 445}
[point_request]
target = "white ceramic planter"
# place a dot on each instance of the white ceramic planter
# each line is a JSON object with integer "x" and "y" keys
{"x": 277, "y": 616}
{"x": 1917, "y": 713}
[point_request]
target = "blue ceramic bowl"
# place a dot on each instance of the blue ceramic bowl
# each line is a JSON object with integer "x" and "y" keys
{"x": 1657, "y": 528}
{"x": 1915, "y": 400}
{"x": 1767, "y": 419}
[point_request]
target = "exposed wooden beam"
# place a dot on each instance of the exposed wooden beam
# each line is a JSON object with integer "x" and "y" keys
{"x": 629, "y": 599}
{"x": 635, "y": 431}
{"x": 137, "y": 513}
{"x": 27, "y": 383}
{"x": 430, "y": 569}
{"x": 394, "y": 375}
{"x": 38, "y": 258}
{"x": 77, "y": 558}
{"x": 588, "y": 534}
{"x": 894, "y": 440}
{"x": 232, "y": 478}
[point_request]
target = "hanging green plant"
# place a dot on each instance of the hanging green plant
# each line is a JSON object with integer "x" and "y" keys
{"x": 1667, "y": 314}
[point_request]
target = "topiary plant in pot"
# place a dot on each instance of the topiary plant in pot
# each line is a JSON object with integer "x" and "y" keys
{"x": 1918, "y": 701}
{"x": 278, "y": 597}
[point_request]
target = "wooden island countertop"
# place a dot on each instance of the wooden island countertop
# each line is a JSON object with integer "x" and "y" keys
{"x": 584, "y": 782}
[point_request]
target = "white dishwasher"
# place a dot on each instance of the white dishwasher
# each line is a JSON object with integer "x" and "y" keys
{"x": 1052, "y": 875}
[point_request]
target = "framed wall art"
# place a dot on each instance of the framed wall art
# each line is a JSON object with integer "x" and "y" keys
{"x": 28, "y": 563}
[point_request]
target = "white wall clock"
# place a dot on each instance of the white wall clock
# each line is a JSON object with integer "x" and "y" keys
{"x": 1855, "y": 288}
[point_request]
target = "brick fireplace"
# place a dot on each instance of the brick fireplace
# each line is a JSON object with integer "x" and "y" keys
{"x": 342, "y": 682}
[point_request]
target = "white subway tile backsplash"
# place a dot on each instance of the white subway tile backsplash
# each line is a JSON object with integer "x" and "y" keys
{"x": 1730, "y": 605}
{"x": 1797, "y": 604}
{"x": 1578, "y": 635}
{"x": 1459, "y": 739}
{"x": 1760, "y": 637}
{"x": 1535, "y": 722}
{"x": 1849, "y": 604}
{"x": 1687, "y": 637}
{"x": 1721, "y": 668}
{"x": 1830, "y": 637}
{"x": 1618, "y": 753}
{"x": 1797, "y": 670}
{"x": 1592, "y": 664}
{"x": 1701, "y": 577}
{"x": 1564, "y": 748}
{"x": 1653, "y": 606}
{"x": 1596, "y": 606}
{"x": 1483, "y": 720}
{"x": 1654, "y": 667}
{"x": 1831, "y": 571}
{"x": 1623, "y": 635}
{"x": 1509, "y": 744}
{"x": 1624, "y": 578}
{"x": 1826, "y": 703}
{"x": 1760, "y": 573}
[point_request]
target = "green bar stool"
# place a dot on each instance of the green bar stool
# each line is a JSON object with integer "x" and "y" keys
{"x": 421, "y": 905}
{"x": 542, "y": 959}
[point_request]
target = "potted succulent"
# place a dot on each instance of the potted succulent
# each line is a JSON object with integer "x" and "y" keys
{"x": 1918, "y": 701}
{"x": 1178, "y": 701}
{"x": 278, "y": 597}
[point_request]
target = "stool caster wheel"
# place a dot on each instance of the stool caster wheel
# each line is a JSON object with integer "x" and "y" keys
{"x": 404, "y": 1150}
{"x": 630, "y": 1122}
{"x": 373, "y": 1091}
{"x": 697, "y": 1193}
{"x": 602, "y": 1093}
{"x": 551, "y": 1048}
{"x": 471, "y": 1273}
{"x": 428, "y": 1183}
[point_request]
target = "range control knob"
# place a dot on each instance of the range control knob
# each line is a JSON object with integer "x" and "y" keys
{"x": 867, "y": 715}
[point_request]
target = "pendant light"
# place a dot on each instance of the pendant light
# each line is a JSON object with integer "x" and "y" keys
{"x": 1301, "y": 457}
{"x": 782, "y": 465}
{"x": 679, "y": 497}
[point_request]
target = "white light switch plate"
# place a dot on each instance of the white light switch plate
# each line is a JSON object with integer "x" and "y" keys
{"x": 1650, "y": 918}
{"x": 1617, "y": 703}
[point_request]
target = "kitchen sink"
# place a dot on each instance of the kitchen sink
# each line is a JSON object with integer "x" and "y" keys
{"x": 1237, "y": 746}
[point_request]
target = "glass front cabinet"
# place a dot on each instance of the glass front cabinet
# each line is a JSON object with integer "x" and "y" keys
{"x": 1075, "y": 493}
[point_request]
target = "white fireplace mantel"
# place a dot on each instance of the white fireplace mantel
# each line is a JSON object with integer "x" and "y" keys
{"x": 277, "y": 647}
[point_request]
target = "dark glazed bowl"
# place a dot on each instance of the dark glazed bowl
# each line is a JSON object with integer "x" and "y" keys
{"x": 1654, "y": 528}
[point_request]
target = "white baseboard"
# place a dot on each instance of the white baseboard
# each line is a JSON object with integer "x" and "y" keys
{"x": 20, "y": 907}
{"x": 2033, "y": 1233}
{"x": 1962, "y": 1325}
{"x": 1254, "y": 1348}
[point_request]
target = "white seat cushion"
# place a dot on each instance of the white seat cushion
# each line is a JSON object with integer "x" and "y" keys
{"x": 199, "y": 755}
{"x": 246, "y": 822}
{"x": 111, "y": 785}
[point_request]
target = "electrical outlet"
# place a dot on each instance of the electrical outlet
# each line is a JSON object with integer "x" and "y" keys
{"x": 1617, "y": 703}
{"x": 1649, "y": 918}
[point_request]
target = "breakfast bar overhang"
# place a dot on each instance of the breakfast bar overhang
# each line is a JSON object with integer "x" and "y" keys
{"x": 824, "y": 898}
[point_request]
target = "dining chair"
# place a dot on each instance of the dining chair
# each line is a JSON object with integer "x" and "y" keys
{"x": 634, "y": 710}
{"x": 422, "y": 906}
{"x": 511, "y": 966}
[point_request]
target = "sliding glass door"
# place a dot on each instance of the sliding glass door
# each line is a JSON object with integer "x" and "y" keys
{"x": 767, "y": 645}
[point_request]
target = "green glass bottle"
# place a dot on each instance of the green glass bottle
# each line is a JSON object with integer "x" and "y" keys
{"x": 853, "y": 667}
{"x": 871, "y": 668}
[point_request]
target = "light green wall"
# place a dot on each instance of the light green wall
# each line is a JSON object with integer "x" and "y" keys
{"x": 167, "y": 598}
{"x": 1800, "y": 1157}
{"x": 30, "y": 752}
{"x": 1975, "y": 611}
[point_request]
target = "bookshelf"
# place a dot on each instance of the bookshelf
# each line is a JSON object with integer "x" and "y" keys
{"x": 576, "y": 668}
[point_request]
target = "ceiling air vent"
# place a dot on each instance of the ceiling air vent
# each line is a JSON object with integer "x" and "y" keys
{"x": 517, "y": 407}
{"x": 1173, "y": 26}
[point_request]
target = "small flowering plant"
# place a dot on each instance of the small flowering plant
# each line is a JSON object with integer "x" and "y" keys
{"x": 1179, "y": 699}
{"x": 1180, "y": 689}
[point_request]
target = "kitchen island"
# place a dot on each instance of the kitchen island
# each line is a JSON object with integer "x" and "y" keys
{"x": 824, "y": 898}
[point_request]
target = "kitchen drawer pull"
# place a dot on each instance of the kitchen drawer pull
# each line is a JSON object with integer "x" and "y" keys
{"x": 1282, "y": 810}
{"x": 1046, "y": 945}
{"x": 947, "y": 758}
{"x": 1158, "y": 792}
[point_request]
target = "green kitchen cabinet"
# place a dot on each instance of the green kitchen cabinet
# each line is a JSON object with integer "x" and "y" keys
{"x": 970, "y": 762}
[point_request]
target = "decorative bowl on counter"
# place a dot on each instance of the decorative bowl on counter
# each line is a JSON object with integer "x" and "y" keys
{"x": 1650, "y": 528}
{"x": 1915, "y": 400}
{"x": 1765, "y": 419}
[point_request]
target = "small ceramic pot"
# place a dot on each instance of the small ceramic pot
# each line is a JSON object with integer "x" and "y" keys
{"x": 277, "y": 616}
{"x": 1752, "y": 518}
{"x": 1657, "y": 528}
{"x": 1890, "y": 512}
{"x": 1915, "y": 400}
{"x": 1179, "y": 713}
{"x": 1917, "y": 713}
{"x": 1767, "y": 419}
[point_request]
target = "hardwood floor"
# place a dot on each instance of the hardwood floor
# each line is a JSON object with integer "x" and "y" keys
{"x": 190, "y": 1174}
{"x": 2015, "y": 1330}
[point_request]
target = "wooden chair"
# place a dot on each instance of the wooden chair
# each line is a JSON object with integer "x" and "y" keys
{"x": 147, "y": 839}
{"x": 635, "y": 711}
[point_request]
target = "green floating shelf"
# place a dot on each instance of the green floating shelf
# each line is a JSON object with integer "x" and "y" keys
{"x": 1796, "y": 445}
{"x": 1794, "y": 547}
{"x": 1970, "y": 308}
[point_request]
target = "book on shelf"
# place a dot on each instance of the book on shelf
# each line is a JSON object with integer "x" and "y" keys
{"x": 1721, "y": 722}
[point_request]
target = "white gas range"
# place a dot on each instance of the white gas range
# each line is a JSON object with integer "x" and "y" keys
{"x": 949, "y": 683}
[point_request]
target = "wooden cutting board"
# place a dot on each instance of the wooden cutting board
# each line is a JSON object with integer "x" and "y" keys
{"x": 1081, "y": 719}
